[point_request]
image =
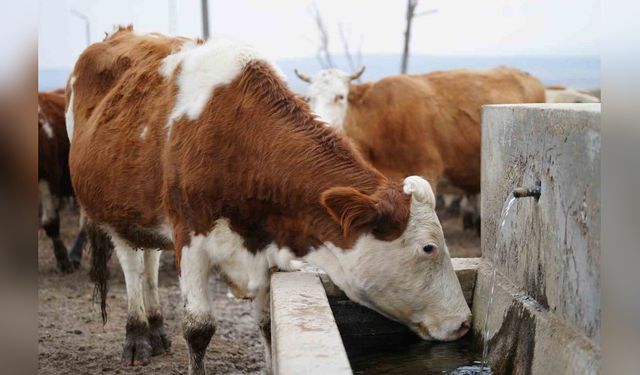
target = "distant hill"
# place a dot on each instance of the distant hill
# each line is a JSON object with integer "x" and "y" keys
{"x": 577, "y": 72}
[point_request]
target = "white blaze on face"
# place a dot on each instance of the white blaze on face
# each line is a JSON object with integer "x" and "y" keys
{"x": 327, "y": 95}
{"x": 398, "y": 278}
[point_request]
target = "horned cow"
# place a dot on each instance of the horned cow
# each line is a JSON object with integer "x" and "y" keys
{"x": 202, "y": 148}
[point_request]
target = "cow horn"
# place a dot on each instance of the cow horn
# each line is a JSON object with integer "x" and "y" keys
{"x": 302, "y": 76}
{"x": 357, "y": 74}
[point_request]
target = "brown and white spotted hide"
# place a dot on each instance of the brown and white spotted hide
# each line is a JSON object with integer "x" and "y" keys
{"x": 202, "y": 148}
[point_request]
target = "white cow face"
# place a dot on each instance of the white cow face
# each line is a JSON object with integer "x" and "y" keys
{"x": 328, "y": 94}
{"x": 409, "y": 279}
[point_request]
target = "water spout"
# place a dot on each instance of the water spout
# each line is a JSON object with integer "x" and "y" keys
{"x": 523, "y": 192}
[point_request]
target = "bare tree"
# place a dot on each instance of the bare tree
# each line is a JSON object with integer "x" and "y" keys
{"x": 354, "y": 60}
{"x": 322, "y": 54}
{"x": 410, "y": 15}
{"x": 205, "y": 19}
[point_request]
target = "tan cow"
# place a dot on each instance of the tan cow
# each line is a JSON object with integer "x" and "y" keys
{"x": 425, "y": 124}
{"x": 202, "y": 148}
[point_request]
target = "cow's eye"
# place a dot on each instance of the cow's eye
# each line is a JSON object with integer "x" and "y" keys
{"x": 339, "y": 97}
{"x": 307, "y": 99}
{"x": 430, "y": 249}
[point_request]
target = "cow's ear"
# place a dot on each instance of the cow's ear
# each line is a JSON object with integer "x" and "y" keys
{"x": 353, "y": 210}
{"x": 420, "y": 190}
{"x": 357, "y": 92}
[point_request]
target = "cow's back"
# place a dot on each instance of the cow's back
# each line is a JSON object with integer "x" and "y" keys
{"x": 119, "y": 103}
{"x": 470, "y": 89}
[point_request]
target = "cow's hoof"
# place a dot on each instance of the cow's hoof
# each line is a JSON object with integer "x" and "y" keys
{"x": 160, "y": 342}
{"x": 65, "y": 266}
{"x": 136, "y": 351}
{"x": 75, "y": 264}
{"x": 468, "y": 222}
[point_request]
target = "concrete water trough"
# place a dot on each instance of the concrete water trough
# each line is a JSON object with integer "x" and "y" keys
{"x": 314, "y": 324}
{"x": 545, "y": 310}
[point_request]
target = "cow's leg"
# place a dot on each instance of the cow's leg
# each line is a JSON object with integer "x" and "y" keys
{"x": 137, "y": 347}
{"x": 262, "y": 308}
{"x": 52, "y": 228}
{"x": 470, "y": 208}
{"x": 76, "y": 249}
{"x": 198, "y": 324}
{"x": 160, "y": 342}
{"x": 78, "y": 243}
{"x": 50, "y": 220}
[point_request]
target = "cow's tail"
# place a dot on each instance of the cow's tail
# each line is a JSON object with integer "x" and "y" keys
{"x": 101, "y": 250}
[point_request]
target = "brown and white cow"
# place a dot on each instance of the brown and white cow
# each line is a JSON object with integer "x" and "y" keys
{"x": 202, "y": 148}
{"x": 54, "y": 184}
{"x": 422, "y": 124}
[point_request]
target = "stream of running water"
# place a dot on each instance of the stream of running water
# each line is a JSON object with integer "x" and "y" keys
{"x": 492, "y": 282}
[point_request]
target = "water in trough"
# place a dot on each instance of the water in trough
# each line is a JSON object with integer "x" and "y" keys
{"x": 460, "y": 357}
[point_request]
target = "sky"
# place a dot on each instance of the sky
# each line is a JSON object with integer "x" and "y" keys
{"x": 284, "y": 29}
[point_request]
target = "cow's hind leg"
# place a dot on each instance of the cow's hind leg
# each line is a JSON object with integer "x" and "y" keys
{"x": 52, "y": 228}
{"x": 76, "y": 249}
{"x": 137, "y": 346}
{"x": 198, "y": 324}
{"x": 78, "y": 244}
{"x": 50, "y": 219}
{"x": 160, "y": 342}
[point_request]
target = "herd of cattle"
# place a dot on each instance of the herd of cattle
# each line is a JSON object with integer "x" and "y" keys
{"x": 201, "y": 148}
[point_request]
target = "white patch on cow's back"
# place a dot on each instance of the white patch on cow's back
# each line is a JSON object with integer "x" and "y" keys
{"x": 204, "y": 67}
{"x": 143, "y": 133}
{"x": 47, "y": 129}
{"x": 48, "y": 202}
{"x": 69, "y": 114}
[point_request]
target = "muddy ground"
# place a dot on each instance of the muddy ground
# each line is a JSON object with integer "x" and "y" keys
{"x": 72, "y": 339}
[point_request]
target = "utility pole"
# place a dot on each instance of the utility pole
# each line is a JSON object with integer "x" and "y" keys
{"x": 87, "y": 24}
{"x": 205, "y": 19}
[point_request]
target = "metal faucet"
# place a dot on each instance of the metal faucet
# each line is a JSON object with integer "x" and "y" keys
{"x": 523, "y": 192}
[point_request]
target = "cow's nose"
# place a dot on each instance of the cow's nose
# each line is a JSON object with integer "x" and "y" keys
{"x": 461, "y": 331}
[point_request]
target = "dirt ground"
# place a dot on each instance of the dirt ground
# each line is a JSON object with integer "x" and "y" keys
{"x": 72, "y": 339}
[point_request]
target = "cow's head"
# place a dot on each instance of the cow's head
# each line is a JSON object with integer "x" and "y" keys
{"x": 328, "y": 93}
{"x": 403, "y": 273}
